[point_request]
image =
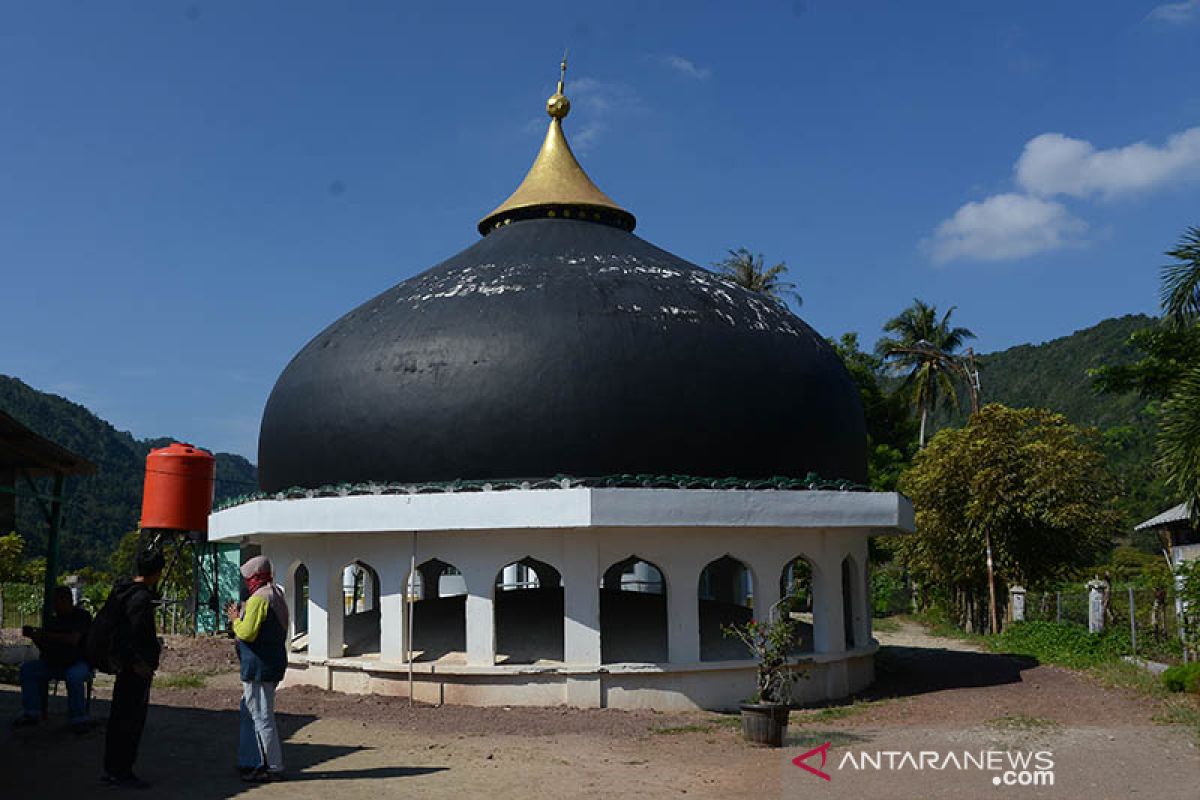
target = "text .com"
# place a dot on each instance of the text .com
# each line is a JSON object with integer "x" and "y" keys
{"x": 1008, "y": 767}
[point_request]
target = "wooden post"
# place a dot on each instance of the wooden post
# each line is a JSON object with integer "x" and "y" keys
{"x": 55, "y": 521}
{"x": 987, "y": 538}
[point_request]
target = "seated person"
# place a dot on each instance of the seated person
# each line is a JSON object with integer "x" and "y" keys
{"x": 61, "y": 647}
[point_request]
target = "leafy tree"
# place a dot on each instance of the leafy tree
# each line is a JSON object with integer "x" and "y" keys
{"x": 12, "y": 547}
{"x": 890, "y": 427}
{"x": 1170, "y": 372}
{"x": 1027, "y": 482}
{"x": 1179, "y": 440}
{"x": 925, "y": 346}
{"x": 748, "y": 271}
{"x": 178, "y": 581}
{"x": 1168, "y": 352}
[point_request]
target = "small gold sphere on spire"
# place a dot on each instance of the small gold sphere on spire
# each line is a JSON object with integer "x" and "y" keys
{"x": 558, "y": 106}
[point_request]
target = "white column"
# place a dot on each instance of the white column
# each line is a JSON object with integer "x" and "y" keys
{"x": 683, "y": 611}
{"x": 392, "y": 610}
{"x": 581, "y": 599}
{"x": 828, "y": 630}
{"x": 481, "y": 617}
{"x": 325, "y": 604}
{"x": 765, "y": 586}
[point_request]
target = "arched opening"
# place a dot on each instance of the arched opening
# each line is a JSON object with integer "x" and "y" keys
{"x": 852, "y": 604}
{"x": 633, "y": 613}
{"x": 298, "y": 601}
{"x": 439, "y": 611}
{"x": 796, "y": 591}
{"x": 528, "y": 610}
{"x": 360, "y": 609}
{"x": 726, "y": 597}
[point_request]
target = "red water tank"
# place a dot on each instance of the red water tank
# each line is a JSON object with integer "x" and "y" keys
{"x": 178, "y": 493}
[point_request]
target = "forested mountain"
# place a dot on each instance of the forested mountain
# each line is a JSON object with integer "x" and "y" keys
{"x": 107, "y": 504}
{"x": 1054, "y": 375}
{"x": 1051, "y": 375}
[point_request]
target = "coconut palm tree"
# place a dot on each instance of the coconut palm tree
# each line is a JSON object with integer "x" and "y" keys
{"x": 925, "y": 346}
{"x": 1179, "y": 422}
{"x": 747, "y": 270}
{"x": 1181, "y": 280}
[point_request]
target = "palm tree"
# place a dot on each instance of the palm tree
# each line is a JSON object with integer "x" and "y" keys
{"x": 747, "y": 271}
{"x": 1181, "y": 280}
{"x": 925, "y": 346}
{"x": 1179, "y": 423}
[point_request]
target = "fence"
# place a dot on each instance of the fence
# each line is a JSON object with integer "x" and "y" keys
{"x": 1149, "y": 618}
{"x": 21, "y": 604}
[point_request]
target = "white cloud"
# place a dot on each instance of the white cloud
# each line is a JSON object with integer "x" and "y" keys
{"x": 1018, "y": 224}
{"x": 594, "y": 105}
{"x": 1054, "y": 164}
{"x": 1176, "y": 13}
{"x": 686, "y": 67}
{"x": 1002, "y": 227}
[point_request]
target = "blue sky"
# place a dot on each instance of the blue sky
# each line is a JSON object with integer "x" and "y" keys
{"x": 189, "y": 191}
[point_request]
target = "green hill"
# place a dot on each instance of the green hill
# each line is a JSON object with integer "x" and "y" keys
{"x": 1054, "y": 375}
{"x": 105, "y": 505}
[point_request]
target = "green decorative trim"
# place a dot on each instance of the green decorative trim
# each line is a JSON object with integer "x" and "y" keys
{"x": 812, "y": 482}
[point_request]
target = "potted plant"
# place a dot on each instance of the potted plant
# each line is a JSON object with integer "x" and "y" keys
{"x": 765, "y": 715}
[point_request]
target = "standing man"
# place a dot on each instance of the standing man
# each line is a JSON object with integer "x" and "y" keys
{"x": 60, "y": 646}
{"x": 137, "y": 650}
{"x": 261, "y": 630}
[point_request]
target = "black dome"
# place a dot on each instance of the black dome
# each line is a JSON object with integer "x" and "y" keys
{"x": 558, "y": 346}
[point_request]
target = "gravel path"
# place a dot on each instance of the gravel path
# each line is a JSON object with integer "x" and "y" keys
{"x": 933, "y": 694}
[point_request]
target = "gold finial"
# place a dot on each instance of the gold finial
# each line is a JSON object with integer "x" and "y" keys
{"x": 558, "y": 106}
{"x": 556, "y": 184}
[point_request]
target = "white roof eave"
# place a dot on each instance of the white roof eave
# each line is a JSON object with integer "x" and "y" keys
{"x": 884, "y": 512}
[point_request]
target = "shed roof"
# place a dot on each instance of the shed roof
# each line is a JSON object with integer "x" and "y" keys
{"x": 22, "y": 449}
{"x": 1171, "y": 516}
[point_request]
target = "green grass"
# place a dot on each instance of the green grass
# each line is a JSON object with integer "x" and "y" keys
{"x": 811, "y": 716}
{"x": 1096, "y": 655}
{"x": 1021, "y": 722}
{"x": 180, "y": 680}
{"x": 692, "y": 727}
{"x": 938, "y": 624}
{"x": 811, "y": 738}
{"x": 727, "y": 720}
{"x": 1061, "y": 643}
{"x": 885, "y": 624}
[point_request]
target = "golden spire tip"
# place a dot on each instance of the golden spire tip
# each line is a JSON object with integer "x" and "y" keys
{"x": 558, "y": 106}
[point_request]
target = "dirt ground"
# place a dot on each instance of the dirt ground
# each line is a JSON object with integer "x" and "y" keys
{"x": 935, "y": 695}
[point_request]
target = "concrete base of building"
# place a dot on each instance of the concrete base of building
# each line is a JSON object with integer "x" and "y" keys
{"x": 715, "y": 686}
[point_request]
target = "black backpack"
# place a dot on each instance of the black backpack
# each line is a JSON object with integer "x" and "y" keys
{"x": 102, "y": 646}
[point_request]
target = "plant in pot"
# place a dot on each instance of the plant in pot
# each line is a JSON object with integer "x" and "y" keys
{"x": 765, "y": 715}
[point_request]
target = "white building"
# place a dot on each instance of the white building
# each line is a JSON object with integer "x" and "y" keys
{"x": 576, "y": 438}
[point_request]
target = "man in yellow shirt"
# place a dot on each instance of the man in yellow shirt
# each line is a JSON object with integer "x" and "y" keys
{"x": 261, "y": 627}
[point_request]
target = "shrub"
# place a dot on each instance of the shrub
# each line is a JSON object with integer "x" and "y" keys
{"x": 1063, "y": 643}
{"x": 888, "y": 595}
{"x": 1184, "y": 678}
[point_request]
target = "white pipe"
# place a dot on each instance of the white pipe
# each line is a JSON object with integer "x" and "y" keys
{"x": 410, "y": 585}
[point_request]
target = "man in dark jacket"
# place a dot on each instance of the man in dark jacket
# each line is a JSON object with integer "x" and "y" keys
{"x": 139, "y": 649}
{"x": 61, "y": 658}
{"x": 261, "y": 627}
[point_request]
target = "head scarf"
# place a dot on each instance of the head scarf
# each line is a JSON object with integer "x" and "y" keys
{"x": 257, "y": 574}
